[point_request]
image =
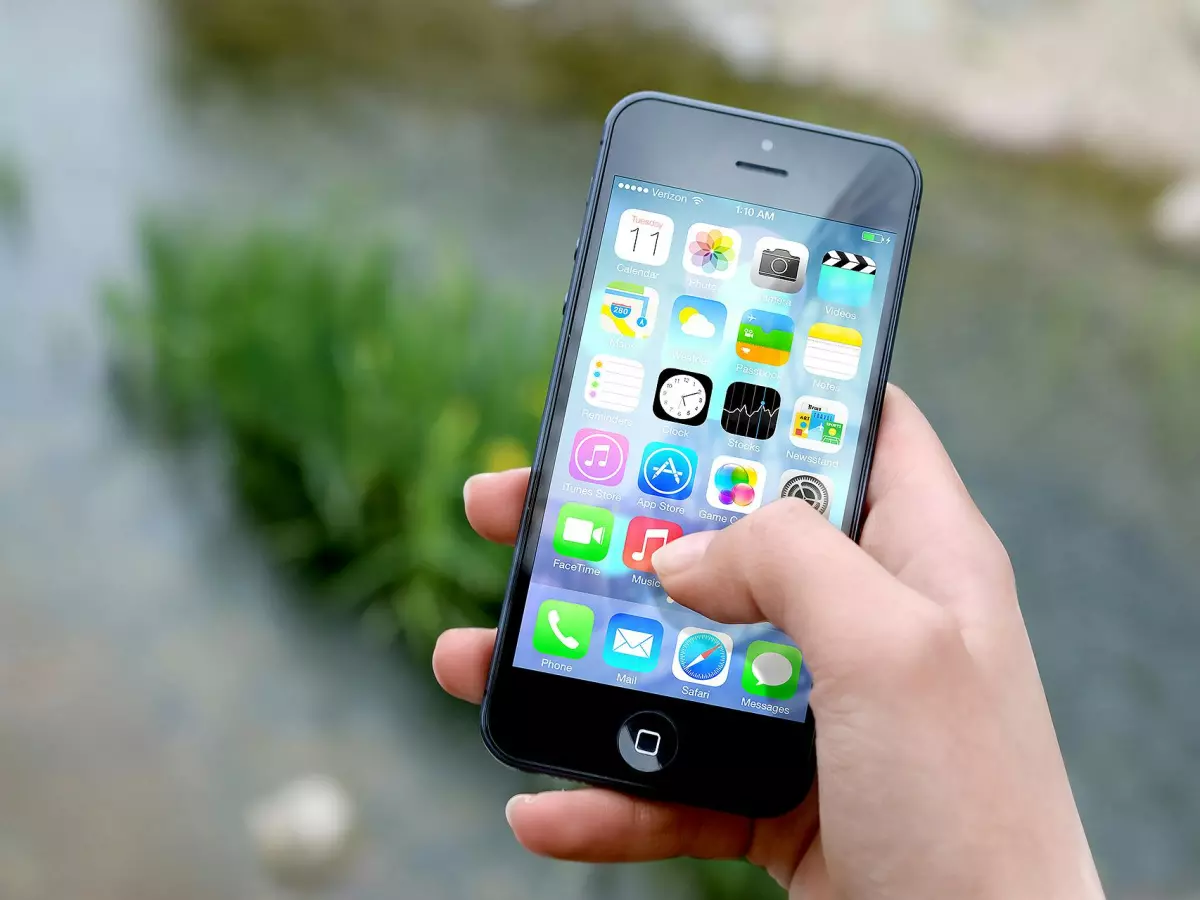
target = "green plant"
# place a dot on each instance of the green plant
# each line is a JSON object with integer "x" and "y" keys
{"x": 354, "y": 398}
{"x": 12, "y": 190}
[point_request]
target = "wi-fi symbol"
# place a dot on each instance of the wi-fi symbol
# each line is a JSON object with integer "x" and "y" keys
{"x": 697, "y": 200}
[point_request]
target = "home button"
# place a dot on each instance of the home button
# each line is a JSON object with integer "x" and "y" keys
{"x": 647, "y": 741}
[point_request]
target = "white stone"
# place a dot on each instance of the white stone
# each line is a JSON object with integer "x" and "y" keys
{"x": 303, "y": 832}
{"x": 1176, "y": 219}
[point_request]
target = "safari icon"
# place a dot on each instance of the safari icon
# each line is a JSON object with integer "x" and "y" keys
{"x": 772, "y": 670}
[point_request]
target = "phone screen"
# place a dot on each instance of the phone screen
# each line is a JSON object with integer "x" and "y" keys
{"x": 723, "y": 363}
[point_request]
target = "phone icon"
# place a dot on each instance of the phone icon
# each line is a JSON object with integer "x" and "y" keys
{"x": 563, "y": 629}
{"x": 765, "y": 337}
{"x": 646, "y": 536}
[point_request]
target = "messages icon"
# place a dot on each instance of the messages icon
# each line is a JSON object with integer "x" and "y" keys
{"x": 772, "y": 670}
{"x": 765, "y": 337}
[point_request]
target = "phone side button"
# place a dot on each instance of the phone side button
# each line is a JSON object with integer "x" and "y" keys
{"x": 647, "y": 741}
{"x": 566, "y": 300}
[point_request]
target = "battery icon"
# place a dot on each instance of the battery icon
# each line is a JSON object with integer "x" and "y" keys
{"x": 872, "y": 237}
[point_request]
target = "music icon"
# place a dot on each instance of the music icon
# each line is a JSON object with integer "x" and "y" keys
{"x": 598, "y": 456}
{"x": 645, "y": 537}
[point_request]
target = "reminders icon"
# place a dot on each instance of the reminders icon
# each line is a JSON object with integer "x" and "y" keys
{"x": 833, "y": 351}
{"x": 614, "y": 383}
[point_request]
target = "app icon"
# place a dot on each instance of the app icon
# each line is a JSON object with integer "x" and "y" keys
{"x": 702, "y": 656}
{"x": 711, "y": 251}
{"x": 563, "y": 629}
{"x": 815, "y": 490}
{"x": 644, "y": 237}
{"x": 736, "y": 484}
{"x": 846, "y": 278}
{"x": 779, "y": 265}
{"x": 614, "y": 383}
{"x": 628, "y": 309}
{"x": 598, "y": 456}
{"x": 697, "y": 323}
{"x": 644, "y": 537}
{"x": 751, "y": 410}
{"x": 633, "y": 643}
{"x": 667, "y": 471}
{"x": 819, "y": 424}
{"x": 583, "y": 532}
{"x": 772, "y": 670}
{"x": 765, "y": 337}
{"x": 833, "y": 351}
{"x": 682, "y": 397}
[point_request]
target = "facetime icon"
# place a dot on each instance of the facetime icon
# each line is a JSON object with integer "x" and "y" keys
{"x": 583, "y": 532}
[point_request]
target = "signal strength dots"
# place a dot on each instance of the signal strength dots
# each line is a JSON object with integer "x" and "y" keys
{"x": 626, "y": 186}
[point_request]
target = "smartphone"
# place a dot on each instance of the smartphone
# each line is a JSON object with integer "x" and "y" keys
{"x": 725, "y": 342}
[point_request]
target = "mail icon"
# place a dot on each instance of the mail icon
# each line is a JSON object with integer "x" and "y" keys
{"x": 633, "y": 643}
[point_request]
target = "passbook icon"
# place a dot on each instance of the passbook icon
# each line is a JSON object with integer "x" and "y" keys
{"x": 633, "y": 643}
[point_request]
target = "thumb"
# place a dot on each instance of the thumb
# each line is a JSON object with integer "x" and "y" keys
{"x": 785, "y": 564}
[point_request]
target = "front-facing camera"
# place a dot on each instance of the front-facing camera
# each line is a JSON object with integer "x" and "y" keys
{"x": 768, "y": 144}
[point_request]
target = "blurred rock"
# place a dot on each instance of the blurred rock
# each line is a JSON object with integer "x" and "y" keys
{"x": 303, "y": 832}
{"x": 1176, "y": 219}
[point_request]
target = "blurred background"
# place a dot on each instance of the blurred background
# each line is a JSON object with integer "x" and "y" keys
{"x": 248, "y": 248}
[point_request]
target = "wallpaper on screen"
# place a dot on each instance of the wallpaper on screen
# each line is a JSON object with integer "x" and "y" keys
{"x": 695, "y": 299}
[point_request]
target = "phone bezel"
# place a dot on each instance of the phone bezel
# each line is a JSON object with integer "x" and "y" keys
{"x": 571, "y": 730}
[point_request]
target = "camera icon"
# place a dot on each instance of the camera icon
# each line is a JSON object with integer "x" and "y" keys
{"x": 779, "y": 265}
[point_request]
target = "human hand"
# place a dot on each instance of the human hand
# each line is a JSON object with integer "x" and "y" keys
{"x": 939, "y": 773}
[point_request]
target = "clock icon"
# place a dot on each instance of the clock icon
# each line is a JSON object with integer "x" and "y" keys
{"x": 682, "y": 397}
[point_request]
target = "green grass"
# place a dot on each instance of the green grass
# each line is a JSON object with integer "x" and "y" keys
{"x": 355, "y": 400}
{"x": 12, "y": 190}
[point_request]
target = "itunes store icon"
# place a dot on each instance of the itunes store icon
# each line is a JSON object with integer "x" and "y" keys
{"x": 598, "y": 456}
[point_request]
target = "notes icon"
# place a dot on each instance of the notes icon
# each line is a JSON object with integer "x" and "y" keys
{"x": 614, "y": 383}
{"x": 645, "y": 537}
{"x": 833, "y": 351}
{"x": 598, "y": 457}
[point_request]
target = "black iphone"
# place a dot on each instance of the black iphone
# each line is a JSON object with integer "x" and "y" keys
{"x": 725, "y": 342}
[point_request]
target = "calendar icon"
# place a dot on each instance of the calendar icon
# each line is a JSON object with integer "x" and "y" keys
{"x": 644, "y": 237}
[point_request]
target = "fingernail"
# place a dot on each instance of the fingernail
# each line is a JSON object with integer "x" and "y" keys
{"x": 682, "y": 554}
{"x": 514, "y": 801}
